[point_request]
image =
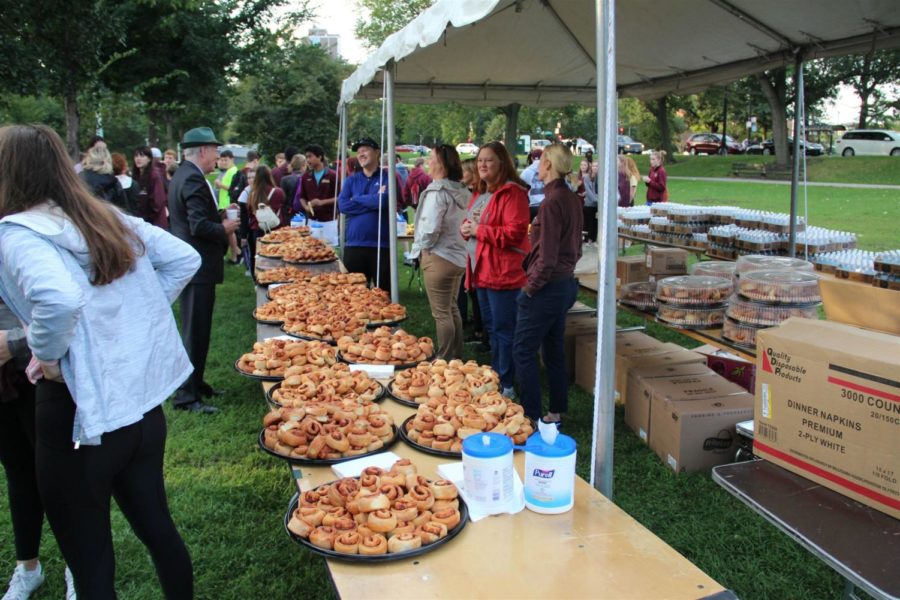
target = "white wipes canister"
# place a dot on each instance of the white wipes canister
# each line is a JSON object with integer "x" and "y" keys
{"x": 488, "y": 471}
{"x": 549, "y": 474}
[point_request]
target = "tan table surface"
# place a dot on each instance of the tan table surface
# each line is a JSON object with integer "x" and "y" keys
{"x": 594, "y": 550}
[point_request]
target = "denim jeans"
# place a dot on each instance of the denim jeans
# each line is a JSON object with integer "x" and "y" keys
{"x": 498, "y": 312}
{"x": 541, "y": 324}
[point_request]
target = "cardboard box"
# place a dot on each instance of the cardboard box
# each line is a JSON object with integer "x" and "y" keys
{"x": 828, "y": 407}
{"x": 665, "y": 355}
{"x": 730, "y": 366}
{"x": 630, "y": 269}
{"x": 577, "y": 326}
{"x": 860, "y": 304}
{"x": 665, "y": 381}
{"x": 695, "y": 435}
{"x": 667, "y": 261}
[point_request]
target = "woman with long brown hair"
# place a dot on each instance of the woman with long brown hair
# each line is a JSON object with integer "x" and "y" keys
{"x": 89, "y": 281}
{"x": 496, "y": 229}
{"x": 263, "y": 191}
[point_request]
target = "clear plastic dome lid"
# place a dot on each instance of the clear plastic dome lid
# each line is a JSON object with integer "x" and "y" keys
{"x": 714, "y": 268}
{"x": 755, "y": 262}
{"x": 790, "y": 287}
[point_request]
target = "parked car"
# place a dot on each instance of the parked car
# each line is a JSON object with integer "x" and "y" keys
{"x": 768, "y": 147}
{"x": 540, "y": 144}
{"x": 408, "y": 148}
{"x": 629, "y": 146}
{"x": 466, "y": 148}
{"x": 880, "y": 142}
{"x": 711, "y": 143}
{"x": 579, "y": 145}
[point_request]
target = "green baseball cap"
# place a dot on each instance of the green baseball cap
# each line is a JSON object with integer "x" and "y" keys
{"x": 199, "y": 136}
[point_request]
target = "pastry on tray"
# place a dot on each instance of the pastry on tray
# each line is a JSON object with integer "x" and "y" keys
{"x": 380, "y": 512}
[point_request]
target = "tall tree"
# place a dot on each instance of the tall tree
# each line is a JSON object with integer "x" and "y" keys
{"x": 659, "y": 108}
{"x": 186, "y": 54}
{"x": 66, "y": 45}
{"x": 290, "y": 98}
{"x": 868, "y": 74}
{"x": 774, "y": 87}
{"x": 384, "y": 17}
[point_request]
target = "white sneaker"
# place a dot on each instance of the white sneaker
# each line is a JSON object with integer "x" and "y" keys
{"x": 509, "y": 393}
{"x": 23, "y": 582}
{"x": 70, "y": 585}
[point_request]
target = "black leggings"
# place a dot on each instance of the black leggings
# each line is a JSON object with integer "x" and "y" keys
{"x": 359, "y": 259}
{"x": 17, "y": 456}
{"x": 76, "y": 486}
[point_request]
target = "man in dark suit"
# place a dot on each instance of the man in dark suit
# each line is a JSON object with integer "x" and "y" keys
{"x": 194, "y": 218}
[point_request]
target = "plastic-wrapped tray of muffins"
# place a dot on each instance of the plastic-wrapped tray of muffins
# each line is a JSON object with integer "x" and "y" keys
{"x": 694, "y": 290}
{"x": 758, "y": 314}
{"x": 691, "y": 317}
{"x": 641, "y": 295}
{"x": 780, "y": 287}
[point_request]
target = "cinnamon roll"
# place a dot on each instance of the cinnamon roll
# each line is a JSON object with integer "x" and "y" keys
{"x": 448, "y": 516}
{"x": 381, "y": 521}
{"x": 372, "y": 545}
{"x": 347, "y": 542}
{"x": 404, "y": 543}
{"x": 372, "y": 501}
{"x": 323, "y": 537}
{"x": 444, "y": 489}
{"x": 431, "y": 532}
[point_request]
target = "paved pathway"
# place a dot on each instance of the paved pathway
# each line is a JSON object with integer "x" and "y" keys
{"x": 867, "y": 186}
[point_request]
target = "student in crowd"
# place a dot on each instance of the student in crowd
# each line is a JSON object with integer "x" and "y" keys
{"x": 262, "y": 191}
{"x": 440, "y": 249}
{"x": 227, "y": 172}
{"x": 89, "y": 281}
{"x": 416, "y": 183}
{"x": 128, "y": 183}
{"x": 496, "y": 229}
{"x": 657, "y": 190}
{"x": 151, "y": 197}
{"x": 550, "y": 289}
{"x": 318, "y": 187}
{"x": 97, "y": 174}
{"x": 534, "y": 183}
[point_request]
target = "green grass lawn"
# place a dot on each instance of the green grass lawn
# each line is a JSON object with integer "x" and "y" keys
{"x": 228, "y": 498}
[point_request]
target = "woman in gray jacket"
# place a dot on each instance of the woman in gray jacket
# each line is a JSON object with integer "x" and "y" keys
{"x": 439, "y": 247}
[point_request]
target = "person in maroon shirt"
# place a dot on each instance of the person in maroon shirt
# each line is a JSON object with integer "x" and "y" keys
{"x": 551, "y": 287}
{"x": 416, "y": 183}
{"x": 657, "y": 190}
{"x": 284, "y": 169}
{"x": 263, "y": 191}
{"x": 318, "y": 186}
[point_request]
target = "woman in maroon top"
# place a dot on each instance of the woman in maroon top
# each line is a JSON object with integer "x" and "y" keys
{"x": 263, "y": 191}
{"x": 151, "y": 197}
{"x": 656, "y": 180}
{"x": 550, "y": 289}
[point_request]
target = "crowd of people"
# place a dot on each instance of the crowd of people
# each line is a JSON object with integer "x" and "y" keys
{"x": 94, "y": 256}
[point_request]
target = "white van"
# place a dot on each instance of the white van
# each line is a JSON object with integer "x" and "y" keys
{"x": 879, "y": 142}
{"x": 540, "y": 144}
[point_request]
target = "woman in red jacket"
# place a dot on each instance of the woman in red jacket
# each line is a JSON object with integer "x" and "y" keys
{"x": 656, "y": 180}
{"x": 263, "y": 191}
{"x": 496, "y": 229}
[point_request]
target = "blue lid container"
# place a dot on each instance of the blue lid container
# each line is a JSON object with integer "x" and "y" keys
{"x": 563, "y": 446}
{"x": 487, "y": 445}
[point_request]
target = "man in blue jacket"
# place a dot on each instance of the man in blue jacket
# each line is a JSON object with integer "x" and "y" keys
{"x": 363, "y": 196}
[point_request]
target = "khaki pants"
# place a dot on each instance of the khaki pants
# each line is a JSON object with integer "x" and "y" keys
{"x": 442, "y": 279}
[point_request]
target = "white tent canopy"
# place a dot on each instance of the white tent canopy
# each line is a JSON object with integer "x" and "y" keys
{"x": 542, "y": 52}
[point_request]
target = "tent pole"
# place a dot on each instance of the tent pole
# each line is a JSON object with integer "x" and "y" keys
{"x": 342, "y": 151}
{"x": 795, "y": 174}
{"x": 512, "y": 125}
{"x": 392, "y": 179}
{"x": 604, "y": 403}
